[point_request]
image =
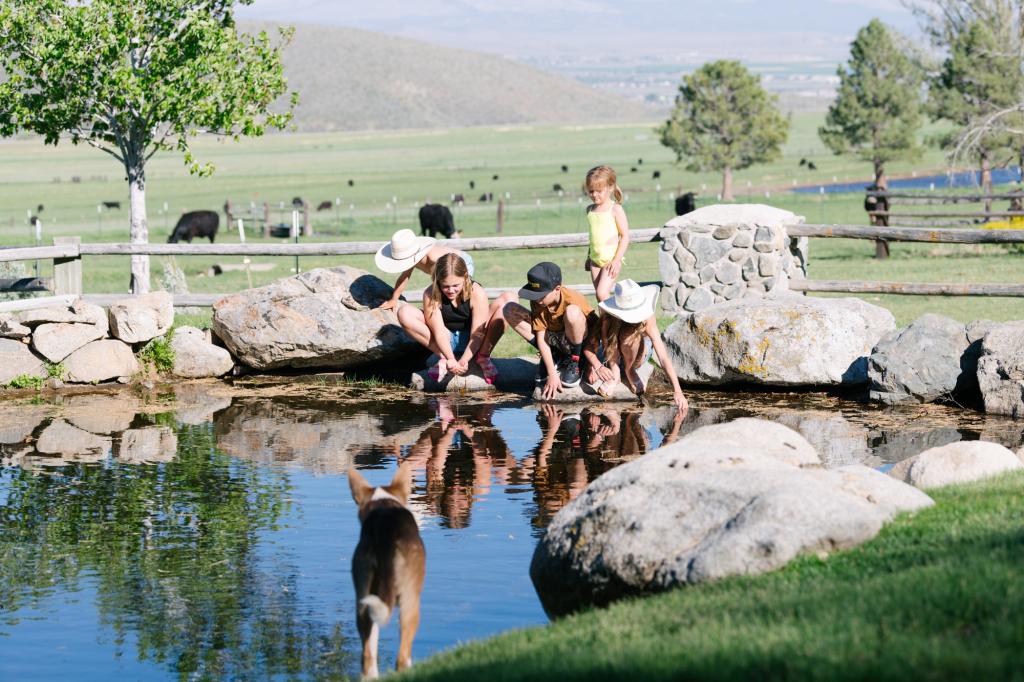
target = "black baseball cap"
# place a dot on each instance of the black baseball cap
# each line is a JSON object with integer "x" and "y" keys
{"x": 541, "y": 280}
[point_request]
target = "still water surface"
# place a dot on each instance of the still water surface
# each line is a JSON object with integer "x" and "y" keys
{"x": 206, "y": 534}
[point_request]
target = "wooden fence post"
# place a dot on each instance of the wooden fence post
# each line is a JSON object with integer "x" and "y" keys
{"x": 266, "y": 220}
{"x": 67, "y": 272}
{"x": 501, "y": 216}
{"x": 307, "y": 224}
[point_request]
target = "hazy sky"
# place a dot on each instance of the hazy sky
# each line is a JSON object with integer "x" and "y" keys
{"x": 747, "y": 29}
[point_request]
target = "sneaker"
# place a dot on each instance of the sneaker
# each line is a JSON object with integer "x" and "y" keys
{"x": 569, "y": 372}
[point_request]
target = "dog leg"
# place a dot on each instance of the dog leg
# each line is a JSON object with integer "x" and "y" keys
{"x": 409, "y": 621}
{"x": 369, "y": 633}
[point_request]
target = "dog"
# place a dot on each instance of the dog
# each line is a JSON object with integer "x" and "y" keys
{"x": 388, "y": 565}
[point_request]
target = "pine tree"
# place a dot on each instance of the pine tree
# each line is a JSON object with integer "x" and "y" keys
{"x": 877, "y": 110}
{"x": 724, "y": 121}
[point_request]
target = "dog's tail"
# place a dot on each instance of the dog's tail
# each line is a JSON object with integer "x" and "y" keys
{"x": 379, "y": 611}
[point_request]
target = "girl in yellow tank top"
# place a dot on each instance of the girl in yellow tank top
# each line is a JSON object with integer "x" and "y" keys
{"x": 609, "y": 229}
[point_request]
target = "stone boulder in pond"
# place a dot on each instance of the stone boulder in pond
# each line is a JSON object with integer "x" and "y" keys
{"x": 57, "y": 340}
{"x": 197, "y": 358}
{"x": 321, "y": 318}
{"x": 17, "y": 360}
{"x": 101, "y": 361}
{"x": 1001, "y": 369}
{"x": 920, "y": 363}
{"x": 784, "y": 340}
{"x": 960, "y": 462}
{"x": 141, "y": 318}
{"x": 725, "y": 500}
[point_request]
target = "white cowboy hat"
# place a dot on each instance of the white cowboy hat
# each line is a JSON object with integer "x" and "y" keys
{"x": 631, "y": 302}
{"x": 403, "y": 251}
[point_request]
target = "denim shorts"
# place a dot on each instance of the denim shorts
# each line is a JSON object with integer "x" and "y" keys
{"x": 468, "y": 260}
{"x": 460, "y": 341}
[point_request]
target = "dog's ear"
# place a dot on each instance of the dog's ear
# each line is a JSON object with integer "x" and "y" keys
{"x": 401, "y": 484}
{"x": 362, "y": 491}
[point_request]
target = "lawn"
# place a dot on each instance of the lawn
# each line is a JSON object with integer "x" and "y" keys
{"x": 393, "y": 172}
{"x": 935, "y": 596}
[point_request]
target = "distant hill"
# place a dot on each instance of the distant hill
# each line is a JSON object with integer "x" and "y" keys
{"x": 349, "y": 79}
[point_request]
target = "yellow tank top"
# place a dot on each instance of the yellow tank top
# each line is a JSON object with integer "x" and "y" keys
{"x": 604, "y": 237}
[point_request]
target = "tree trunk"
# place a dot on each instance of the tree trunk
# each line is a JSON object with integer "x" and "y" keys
{"x": 880, "y": 179}
{"x": 881, "y": 183}
{"x": 727, "y": 184}
{"x": 139, "y": 233}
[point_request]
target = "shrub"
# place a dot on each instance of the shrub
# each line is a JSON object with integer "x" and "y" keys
{"x": 159, "y": 353}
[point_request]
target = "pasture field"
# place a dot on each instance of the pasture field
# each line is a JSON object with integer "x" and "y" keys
{"x": 395, "y": 171}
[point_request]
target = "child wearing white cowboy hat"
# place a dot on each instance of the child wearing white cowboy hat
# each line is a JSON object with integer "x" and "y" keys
{"x": 407, "y": 252}
{"x": 627, "y": 316}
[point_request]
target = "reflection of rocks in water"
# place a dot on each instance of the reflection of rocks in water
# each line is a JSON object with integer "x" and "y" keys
{"x": 106, "y": 413}
{"x": 314, "y": 436}
{"x": 894, "y": 445}
{"x": 71, "y": 444}
{"x": 17, "y": 422}
{"x": 197, "y": 403}
{"x": 149, "y": 445}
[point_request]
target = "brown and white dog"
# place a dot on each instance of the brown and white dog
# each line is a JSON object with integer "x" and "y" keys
{"x": 388, "y": 565}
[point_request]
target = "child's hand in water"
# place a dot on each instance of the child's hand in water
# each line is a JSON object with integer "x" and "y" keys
{"x": 460, "y": 368}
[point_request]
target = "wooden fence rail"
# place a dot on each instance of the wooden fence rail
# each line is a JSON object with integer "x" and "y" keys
{"x": 67, "y": 280}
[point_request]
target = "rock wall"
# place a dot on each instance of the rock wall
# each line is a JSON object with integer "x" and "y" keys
{"x": 727, "y": 252}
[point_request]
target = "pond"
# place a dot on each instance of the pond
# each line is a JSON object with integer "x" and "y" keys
{"x": 204, "y": 531}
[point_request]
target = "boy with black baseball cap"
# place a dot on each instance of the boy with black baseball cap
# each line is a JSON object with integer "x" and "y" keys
{"x": 556, "y": 324}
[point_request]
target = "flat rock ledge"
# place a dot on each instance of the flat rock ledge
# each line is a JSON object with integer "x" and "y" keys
{"x": 780, "y": 340}
{"x": 515, "y": 375}
{"x": 740, "y": 498}
{"x": 961, "y": 462}
{"x": 321, "y": 318}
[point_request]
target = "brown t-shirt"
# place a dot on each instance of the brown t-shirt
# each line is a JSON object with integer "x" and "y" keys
{"x": 545, "y": 319}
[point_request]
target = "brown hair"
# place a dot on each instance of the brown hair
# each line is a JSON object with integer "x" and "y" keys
{"x": 614, "y": 331}
{"x": 603, "y": 175}
{"x": 446, "y": 265}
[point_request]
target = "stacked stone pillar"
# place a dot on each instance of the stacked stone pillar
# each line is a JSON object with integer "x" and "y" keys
{"x": 727, "y": 252}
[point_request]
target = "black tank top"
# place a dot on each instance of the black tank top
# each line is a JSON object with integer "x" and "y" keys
{"x": 456, "y": 318}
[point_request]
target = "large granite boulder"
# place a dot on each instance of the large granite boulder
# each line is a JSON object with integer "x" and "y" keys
{"x": 10, "y": 328}
{"x": 197, "y": 358}
{"x": 57, "y": 340}
{"x": 921, "y": 362}
{"x": 141, "y": 318}
{"x": 732, "y": 499}
{"x": 79, "y": 312}
{"x": 16, "y": 359}
{"x": 321, "y": 318}
{"x": 101, "y": 361}
{"x": 784, "y": 340}
{"x": 1001, "y": 369}
{"x": 960, "y": 462}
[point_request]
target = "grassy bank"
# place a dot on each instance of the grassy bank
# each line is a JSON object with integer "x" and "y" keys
{"x": 935, "y": 596}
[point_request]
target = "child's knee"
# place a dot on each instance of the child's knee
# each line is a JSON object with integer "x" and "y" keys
{"x": 574, "y": 315}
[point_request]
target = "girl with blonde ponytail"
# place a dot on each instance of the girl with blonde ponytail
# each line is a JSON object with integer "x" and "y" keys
{"x": 609, "y": 229}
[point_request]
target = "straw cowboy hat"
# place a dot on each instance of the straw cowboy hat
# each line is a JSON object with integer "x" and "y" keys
{"x": 631, "y": 302}
{"x": 403, "y": 251}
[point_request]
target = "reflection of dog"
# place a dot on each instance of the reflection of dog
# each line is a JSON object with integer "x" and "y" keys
{"x": 388, "y": 565}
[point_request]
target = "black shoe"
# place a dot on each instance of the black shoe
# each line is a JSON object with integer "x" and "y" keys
{"x": 569, "y": 373}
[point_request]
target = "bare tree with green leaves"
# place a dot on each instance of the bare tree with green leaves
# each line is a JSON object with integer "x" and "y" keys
{"x": 877, "y": 111}
{"x": 724, "y": 121}
{"x": 136, "y": 78}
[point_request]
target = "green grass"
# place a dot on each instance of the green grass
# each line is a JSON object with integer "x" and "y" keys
{"x": 935, "y": 596}
{"x": 416, "y": 166}
{"x": 159, "y": 353}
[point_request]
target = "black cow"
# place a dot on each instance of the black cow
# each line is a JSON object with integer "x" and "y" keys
{"x": 297, "y": 202}
{"x": 494, "y": 177}
{"x": 632, "y": 169}
{"x": 487, "y": 196}
{"x": 639, "y": 162}
{"x": 351, "y": 183}
{"x": 472, "y": 184}
{"x": 436, "y": 219}
{"x": 655, "y": 175}
{"x": 324, "y": 205}
{"x": 111, "y": 204}
{"x": 556, "y": 188}
{"x": 803, "y": 162}
{"x": 195, "y": 224}
{"x": 811, "y": 166}
{"x": 565, "y": 169}
{"x": 685, "y": 203}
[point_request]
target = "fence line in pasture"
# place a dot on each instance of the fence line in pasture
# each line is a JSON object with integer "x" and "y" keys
{"x": 67, "y": 281}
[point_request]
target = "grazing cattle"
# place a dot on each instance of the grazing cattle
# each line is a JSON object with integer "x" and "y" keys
{"x": 472, "y": 184}
{"x": 639, "y": 162}
{"x": 324, "y": 205}
{"x": 33, "y": 220}
{"x": 351, "y": 183}
{"x": 458, "y": 199}
{"x": 632, "y": 169}
{"x": 556, "y": 188}
{"x": 875, "y": 203}
{"x": 487, "y": 196}
{"x": 436, "y": 219}
{"x": 297, "y": 202}
{"x": 76, "y": 178}
{"x": 565, "y": 169}
{"x": 494, "y": 177}
{"x": 803, "y": 162}
{"x": 811, "y": 166}
{"x": 685, "y": 203}
{"x": 39, "y": 208}
{"x": 111, "y": 204}
{"x": 195, "y": 224}
{"x": 655, "y": 175}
